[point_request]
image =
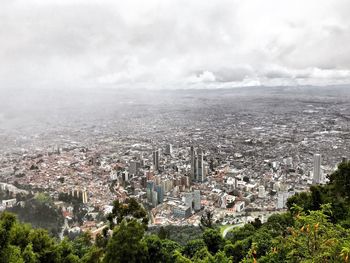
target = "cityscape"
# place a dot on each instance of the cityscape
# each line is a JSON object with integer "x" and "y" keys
{"x": 174, "y": 131}
{"x": 240, "y": 162}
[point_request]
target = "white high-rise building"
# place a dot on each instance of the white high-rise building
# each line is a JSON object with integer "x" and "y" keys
{"x": 200, "y": 167}
{"x": 169, "y": 149}
{"x": 197, "y": 199}
{"x": 280, "y": 201}
{"x": 261, "y": 193}
{"x": 189, "y": 200}
{"x": 154, "y": 198}
{"x": 317, "y": 169}
{"x": 85, "y": 196}
{"x": 282, "y": 198}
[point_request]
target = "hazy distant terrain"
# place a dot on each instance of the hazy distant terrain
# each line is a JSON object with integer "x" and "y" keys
{"x": 80, "y": 113}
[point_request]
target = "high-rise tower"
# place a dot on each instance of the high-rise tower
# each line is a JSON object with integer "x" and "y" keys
{"x": 156, "y": 160}
{"x": 193, "y": 164}
{"x": 317, "y": 169}
{"x": 200, "y": 167}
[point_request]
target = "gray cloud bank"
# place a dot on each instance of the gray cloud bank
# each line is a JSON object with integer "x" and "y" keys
{"x": 173, "y": 44}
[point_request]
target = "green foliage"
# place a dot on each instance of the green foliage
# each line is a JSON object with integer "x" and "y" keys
{"x": 178, "y": 258}
{"x": 101, "y": 241}
{"x": 179, "y": 234}
{"x": 240, "y": 233}
{"x": 277, "y": 224}
{"x": 155, "y": 250}
{"x": 44, "y": 198}
{"x": 129, "y": 210}
{"x": 28, "y": 254}
{"x": 263, "y": 241}
{"x": 193, "y": 246}
{"x": 82, "y": 244}
{"x": 221, "y": 257}
{"x": 40, "y": 213}
{"x": 163, "y": 233}
{"x": 93, "y": 255}
{"x": 126, "y": 244}
{"x": 169, "y": 248}
{"x": 340, "y": 179}
{"x": 207, "y": 220}
{"x": 213, "y": 240}
{"x": 202, "y": 256}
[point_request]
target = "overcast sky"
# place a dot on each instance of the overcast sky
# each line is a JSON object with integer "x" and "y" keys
{"x": 173, "y": 44}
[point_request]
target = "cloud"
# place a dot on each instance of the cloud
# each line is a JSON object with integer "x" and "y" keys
{"x": 205, "y": 76}
{"x": 167, "y": 44}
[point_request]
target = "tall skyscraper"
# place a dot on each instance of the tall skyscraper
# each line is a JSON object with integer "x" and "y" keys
{"x": 154, "y": 198}
{"x": 160, "y": 193}
{"x": 134, "y": 167}
{"x": 149, "y": 190}
{"x": 200, "y": 167}
{"x": 189, "y": 200}
{"x": 193, "y": 164}
{"x": 317, "y": 169}
{"x": 156, "y": 160}
{"x": 168, "y": 149}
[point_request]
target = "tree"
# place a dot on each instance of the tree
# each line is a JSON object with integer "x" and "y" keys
{"x": 312, "y": 239}
{"x": 43, "y": 245}
{"x": 178, "y": 258}
{"x": 126, "y": 244}
{"x": 239, "y": 249}
{"x": 213, "y": 240}
{"x": 154, "y": 249}
{"x": 101, "y": 241}
{"x": 277, "y": 224}
{"x": 301, "y": 199}
{"x": 263, "y": 241}
{"x": 169, "y": 247}
{"x": 221, "y": 257}
{"x": 19, "y": 235}
{"x": 345, "y": 251}
{"x": 82, "y": 243}
{"x": 94, "y": 255}
{"x": 240, "y": 233}
{"x": 256, "y": 223}
{"x": 28, "y": 254}
{"x": 193, "y": 246}
{"x": 316, "y": 198}
{"x": 340, "y": 179}
{"x": 7, "y": 221}
{"x": 202, "y": 256}
{"x": 163, "y": 233}
{"x": 129, "y": 210}
{"x": 206, "y": 220}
